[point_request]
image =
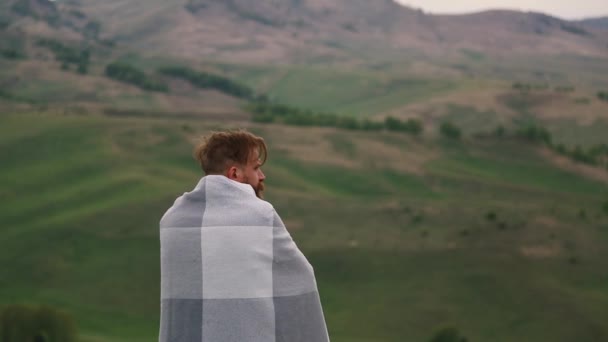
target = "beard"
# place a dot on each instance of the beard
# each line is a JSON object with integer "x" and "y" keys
{"x": 259, "y": 190}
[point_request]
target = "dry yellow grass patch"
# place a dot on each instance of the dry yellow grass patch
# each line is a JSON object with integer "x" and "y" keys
{"x": 410, "y": 158}
{"x": 565, "y": 107}
{"x": 309, "y": 145}
{"x": 481, "y": 97}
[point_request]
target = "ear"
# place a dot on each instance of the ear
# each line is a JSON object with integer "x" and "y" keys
{"x": 232, "y": 173}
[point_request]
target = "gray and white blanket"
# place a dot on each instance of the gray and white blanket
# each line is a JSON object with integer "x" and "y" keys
{"x": 230, "y": 271}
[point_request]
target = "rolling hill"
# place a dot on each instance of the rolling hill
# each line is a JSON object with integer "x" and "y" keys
{"x": 492, "y": 236}
{"x": 497, "y": 234}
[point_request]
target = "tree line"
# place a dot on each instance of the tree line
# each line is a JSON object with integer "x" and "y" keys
{"x": 595, "y": 155}
{"x": 265, "y": 111}
{"x": 127, "y": 73}
{"x": 207, "y": 80}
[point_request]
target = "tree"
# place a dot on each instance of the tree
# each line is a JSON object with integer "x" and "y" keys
{"x": 450, "y": 130}
{"x": 536, "y": 134}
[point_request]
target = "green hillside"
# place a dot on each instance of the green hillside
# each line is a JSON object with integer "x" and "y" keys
{"x": 407, "y": 235}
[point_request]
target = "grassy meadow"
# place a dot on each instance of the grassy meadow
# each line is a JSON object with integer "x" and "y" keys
{"x": 407, "y": 235}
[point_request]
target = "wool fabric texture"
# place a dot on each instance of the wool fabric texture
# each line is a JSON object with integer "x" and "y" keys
{"x": 230, "y": 271}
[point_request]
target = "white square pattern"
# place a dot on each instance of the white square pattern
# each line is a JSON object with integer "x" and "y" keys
{"x": 237, "y": 262}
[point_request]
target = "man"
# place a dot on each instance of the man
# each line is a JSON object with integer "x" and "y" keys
{"x": 230, "y": 271}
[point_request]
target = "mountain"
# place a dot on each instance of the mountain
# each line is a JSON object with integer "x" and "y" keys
{"x": 600, "y": 23}
{"x": 342, "y": 31}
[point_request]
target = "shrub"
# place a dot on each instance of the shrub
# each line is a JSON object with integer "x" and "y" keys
{"x": 20, "y": 323}
{"x": 448, "y": 335}
{"x": 603, "y": 95}
{"x": 368, "y": 125}
{"x": 450, "y": 130}
{"x": 605, "y": 207}
{"x": 411, "y": 126}
{"x": 68, "y": 55}
{"x": 499, "y": 131}
{"x": 491, "y": 216}
{"x": 11, "y": 53}
{"x": 580, "y": 155}
{"x": 535, "y": 134}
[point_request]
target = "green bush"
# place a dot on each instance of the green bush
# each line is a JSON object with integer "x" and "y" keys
{"x": 535, "y": 134}
{"x": 491, "y": 216}
{"x": 25, "y": 323}
{"x": 448, "y": 335}
{"x": 580, "y": 155}
{"x": 11, "y": 53}
{"x": 411, "y": 126}
{"x": 500, "y": 131}
{"x": 605, "y": 207}
{"x": 449, "y": 130}
{"x": 603, "y": 95}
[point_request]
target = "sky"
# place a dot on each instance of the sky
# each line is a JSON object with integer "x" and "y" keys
{"x": 566, "y": 9}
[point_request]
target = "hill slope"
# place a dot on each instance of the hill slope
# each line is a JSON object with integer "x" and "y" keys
{"x": 488, "y": 236}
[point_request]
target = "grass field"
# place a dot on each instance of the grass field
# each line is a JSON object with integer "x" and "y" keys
{"x": 402, "y": 245}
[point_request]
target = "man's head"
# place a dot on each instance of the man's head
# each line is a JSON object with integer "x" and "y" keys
{"x": 237, "y": 155}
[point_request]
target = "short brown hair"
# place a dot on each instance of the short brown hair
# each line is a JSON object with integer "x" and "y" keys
{"x": 220, "y": 149}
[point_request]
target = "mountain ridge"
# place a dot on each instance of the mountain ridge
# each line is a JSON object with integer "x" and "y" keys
{"x": 290, "y": 31}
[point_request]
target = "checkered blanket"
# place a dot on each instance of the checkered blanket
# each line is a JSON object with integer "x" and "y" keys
{"x": 230, "y": 271}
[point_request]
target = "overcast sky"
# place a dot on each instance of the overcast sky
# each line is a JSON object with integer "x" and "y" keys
{"x": 567, "y": 9}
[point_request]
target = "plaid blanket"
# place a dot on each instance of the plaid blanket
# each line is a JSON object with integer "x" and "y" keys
{"x": 230, "y": 271}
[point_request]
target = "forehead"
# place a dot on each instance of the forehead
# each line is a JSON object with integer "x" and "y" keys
{"x": 254, "y": 156}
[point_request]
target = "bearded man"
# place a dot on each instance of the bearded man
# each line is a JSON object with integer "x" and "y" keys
{"x": 230, "y": 271}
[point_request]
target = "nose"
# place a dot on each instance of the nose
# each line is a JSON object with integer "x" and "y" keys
{"x": 261, "y": 174}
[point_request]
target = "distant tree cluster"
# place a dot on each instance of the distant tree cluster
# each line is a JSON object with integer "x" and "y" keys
{"x": 528, "y": 86}
{"x": 209, "y": 81}
{"x": 68, "y": 55}
{"x": 564, "y": 89}
{"x": 49, "y": 14}
{"x": 574, "y": 29}
{"x": 267, "y": 112}
{"x": 603, "y": 95}
{"x": 535, "y": 134}
{"x": 12, "y": 53}
{"x": 21, "y": 7}
{"x": 92, "y": 29}
{"x": 411, "y": 126}
{"x": 193, "y": 6}
{"x": 596, "y": 155}
{"x": 4, "y": 23}
{"x": 129, "y": 74}
{"x": 21, "y": 323}
{"x": 450, "y": 131}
